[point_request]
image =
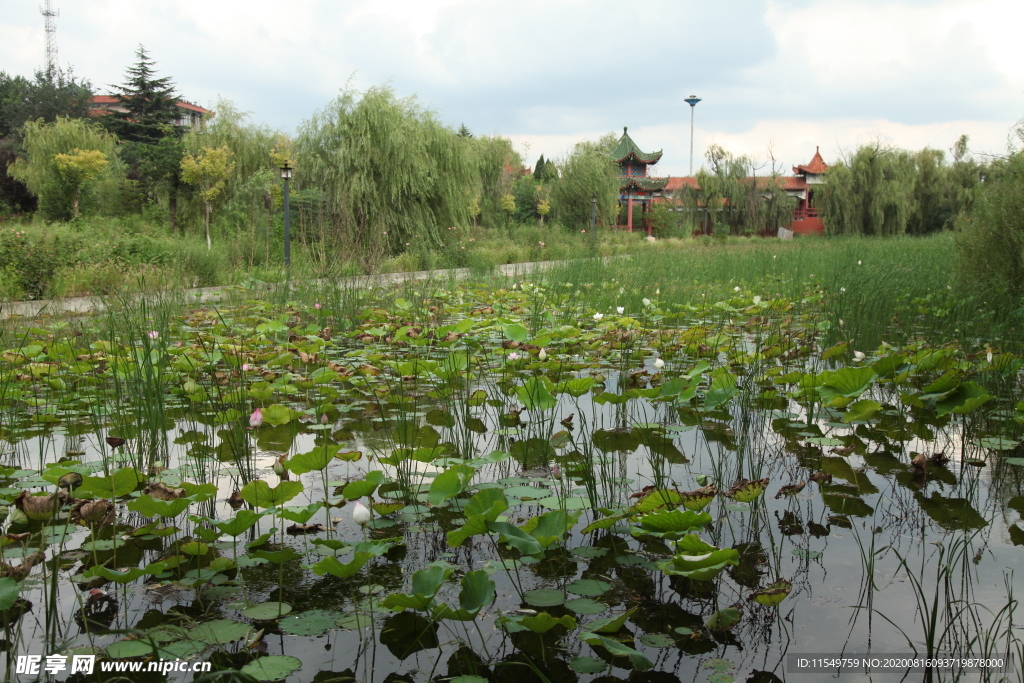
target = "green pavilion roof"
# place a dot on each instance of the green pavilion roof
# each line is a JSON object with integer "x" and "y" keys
{"x": 626, "y": 149}
{"x": 642, "y": 184}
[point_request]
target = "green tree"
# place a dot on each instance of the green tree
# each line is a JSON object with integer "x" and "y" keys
{"x": 79, "y": 168}
{"x": 464, "y": 132}
{"x": 150, "y": 103}
{"x": 524, "y": 190}
{"x": 990, "y": 235}
{"x": 931, "y": 210}
{"x": 587, "y": 172}
{"x": 538, "y": 170}
{"x": 42, "y": 142}
{"x": 871, "y": 192}
{"x": 209, "y": 170}
{"x": 45, "y": 97}
{"x": 390, "y": 172}
{"x": 494, "y": 161}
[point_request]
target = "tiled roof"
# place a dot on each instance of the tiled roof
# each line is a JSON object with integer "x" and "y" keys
{"x": 626, "y": 149}
{"x": 643, "y": 184}
{"x": 816, "y": 166}
{"x": 110, "y": 99}
{"x": 786, "y": 183}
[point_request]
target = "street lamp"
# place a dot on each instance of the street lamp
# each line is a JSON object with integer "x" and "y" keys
{"x": 692, "y": 100}
{"x": 286, "y": 175}
{"x": 593, "y": 216}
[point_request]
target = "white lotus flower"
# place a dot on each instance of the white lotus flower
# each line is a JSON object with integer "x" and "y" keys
{"x": 859, "y": 356}
{"x": 361, "y": 514}
{"x": 513, "y": 356}
{"x": 659, "y": 363}
{"x": 646, "y": 302}
{"x": 598, "y": 316}
{"x": 735, "y": 289}
{"x": 620, "y": 310}
{"x": 988, "y": 355}
{"x": 858, "y": 263}
{"x": 543, "y": 355}
{"x": 757, "y": 300}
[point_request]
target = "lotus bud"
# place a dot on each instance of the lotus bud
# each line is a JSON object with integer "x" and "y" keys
{"x": 858, "y": 356}
{"x": 556, "y": 472}
{"x": 323, "y": 418}
{"x": 361, "y": 514}
{"x": 256, "y": 419}
{"x": 988, "y": 356}
{"x": 543, "y": 355}
{"x": 69, "y": 481}
{"x": 659, "y": 363}
{"x": 702, "y": 479}
{"x": 93, "y": 513}
{"x": 279, "y": 467}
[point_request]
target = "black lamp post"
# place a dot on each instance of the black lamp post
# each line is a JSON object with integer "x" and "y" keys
{"x": 286, "y": 175}
{"x": 593, "y": 214}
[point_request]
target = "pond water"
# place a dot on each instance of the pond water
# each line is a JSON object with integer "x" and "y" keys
{"x": 537, "y": 496}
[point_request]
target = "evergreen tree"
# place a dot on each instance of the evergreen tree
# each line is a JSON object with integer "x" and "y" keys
{"x": 538, "y": 171}
{"x": 150, "y": 104}
{"x": 464, "y": 132}
{"x": 46, "y": 97}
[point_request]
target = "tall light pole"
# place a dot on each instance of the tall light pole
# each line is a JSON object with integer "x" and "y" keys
{"x": 692, "y": 100}
{"x": 286, "y": 175}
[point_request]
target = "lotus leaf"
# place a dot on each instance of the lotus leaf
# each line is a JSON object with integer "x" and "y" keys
{"x": 698, "y": 560}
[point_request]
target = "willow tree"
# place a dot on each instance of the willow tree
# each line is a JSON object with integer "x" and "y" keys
{"x": 246, "y": 193}
{"x": 391, "y": 174}
{"x": 588, "y": 172}
{"x": 78, "y": 169}
{"x": 210, "y": 169}
{"x": 738, "y": 201}
{"x": 871, "y": 192}
{"x": 991, "y": 234}
{"x": 40, "y": 171}
{"x": 494, "y": 162}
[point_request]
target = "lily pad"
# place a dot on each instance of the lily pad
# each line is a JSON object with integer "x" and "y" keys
{"x": 657, "y": 640}
{"x": 272, "y": 668}
{"x": 589, "y": 587}
{"x": 544, "y": 597}
{"x": 588, "y": 665}
{"x": 267, "y": 610}
{"x": 312, "y": 622}
{"x": 586, "y": 606}
{"x": 220, "y": 631}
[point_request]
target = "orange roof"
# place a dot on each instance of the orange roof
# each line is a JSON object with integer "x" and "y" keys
{"x": 817, "y": 165}
{"x": 110, "y": 99}
{"x": 786, "y": 183}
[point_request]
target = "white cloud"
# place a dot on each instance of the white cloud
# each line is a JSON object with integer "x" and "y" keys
{"x": 793, "y": 73}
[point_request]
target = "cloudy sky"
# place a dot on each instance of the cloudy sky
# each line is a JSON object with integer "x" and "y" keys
{"x": 777, "y": 77}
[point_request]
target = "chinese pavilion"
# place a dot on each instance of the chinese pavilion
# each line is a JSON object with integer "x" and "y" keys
{"x": 635, "y": 185}
{"x": 806, "y": 218}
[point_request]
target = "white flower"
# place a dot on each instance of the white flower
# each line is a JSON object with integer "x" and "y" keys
{"x": 735, "y": 289}
{"x": 620, "y": 310}
{"x": 513, "y": 356}
{"x": 646, "y": 302}
{"x": 842, "y": 289}
{"x": 598, "y": 316}
{"x": 858, "y": 356}
{"x": 988, "y": 355}
{"x": 757, "y": 300}
{"x": 543, "y": 355}
{"x": 361, "y": 514}
{"x": 657, "y": 292}
{"x": 841, "y": 323}
{"x": 858, "y": 263}
{"x": 659, "y": 363}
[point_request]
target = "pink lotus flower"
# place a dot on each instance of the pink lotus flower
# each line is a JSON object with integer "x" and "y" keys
{"x": 256, "y": 419}
{"x": 317, "y": 305}
{"x": 513, "y": 356}
{"x": 153, "y": 334}
{"x": 246, "y": 367}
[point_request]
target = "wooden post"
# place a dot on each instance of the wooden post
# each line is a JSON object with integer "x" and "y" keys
{"x": 629, "y": 213}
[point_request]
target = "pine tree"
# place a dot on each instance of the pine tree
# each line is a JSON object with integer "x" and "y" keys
{"x": 538, "y": 170}
{"x": 464, "y": 132}
{"x": 150, "y": 104}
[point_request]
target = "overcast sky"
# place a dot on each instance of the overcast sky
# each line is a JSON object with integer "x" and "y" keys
{"x": 781, "y": 74}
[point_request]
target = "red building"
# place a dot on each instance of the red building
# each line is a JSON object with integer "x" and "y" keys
{"x": 189, "y": 114}
{"x": 802, "y": 185}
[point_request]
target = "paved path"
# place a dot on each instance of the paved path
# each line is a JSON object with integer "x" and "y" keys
{"x": 88, "y": 304}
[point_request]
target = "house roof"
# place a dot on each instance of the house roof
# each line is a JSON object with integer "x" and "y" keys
{"x": 642, "y": 184}
{"x": 816, "y": 166}
{"x": 627, "y": 149}
{"x": 794, "y": 183}
{"x": 111, "y": 99}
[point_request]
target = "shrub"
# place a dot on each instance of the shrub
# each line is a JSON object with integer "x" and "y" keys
{"x": 991, "y": 235}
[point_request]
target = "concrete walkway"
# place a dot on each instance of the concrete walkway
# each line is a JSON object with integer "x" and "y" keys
{"x": 201, "y": 295}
